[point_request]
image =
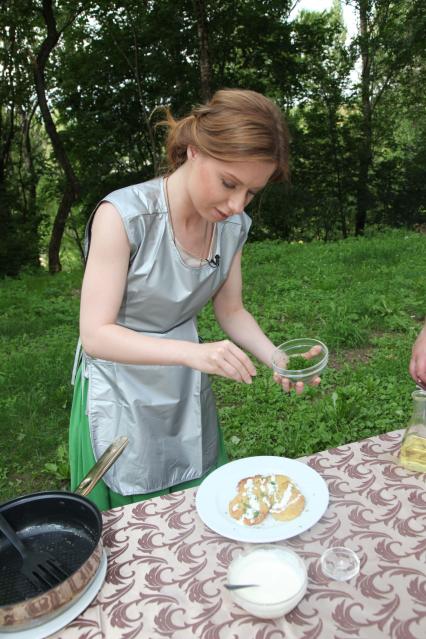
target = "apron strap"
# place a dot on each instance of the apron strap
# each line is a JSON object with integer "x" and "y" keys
{"x": 77, "y": 360}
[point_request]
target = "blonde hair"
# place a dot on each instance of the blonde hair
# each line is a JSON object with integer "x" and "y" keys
{"x": 234, "y": 125}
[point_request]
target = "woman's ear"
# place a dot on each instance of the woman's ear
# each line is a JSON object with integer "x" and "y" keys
{"x": 191, "y": 152}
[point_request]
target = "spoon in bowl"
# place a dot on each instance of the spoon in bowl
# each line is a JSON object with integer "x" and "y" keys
{"x": 237, "y": 586}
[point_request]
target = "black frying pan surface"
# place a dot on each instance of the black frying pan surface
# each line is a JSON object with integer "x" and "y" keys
{"x": 65, "y": 524}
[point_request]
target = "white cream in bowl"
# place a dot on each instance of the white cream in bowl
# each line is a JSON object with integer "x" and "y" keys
{"x": 280, "y": 576}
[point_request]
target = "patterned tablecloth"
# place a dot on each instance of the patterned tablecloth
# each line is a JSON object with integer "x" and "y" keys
{"x": 166, "y": 569}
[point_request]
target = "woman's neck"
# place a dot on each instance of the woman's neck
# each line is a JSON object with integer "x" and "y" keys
{"x": 190, "y": 229}
{"x": 183, "y": 212}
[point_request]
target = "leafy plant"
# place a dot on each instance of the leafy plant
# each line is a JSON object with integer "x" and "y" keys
{"x": 59, "y": 468}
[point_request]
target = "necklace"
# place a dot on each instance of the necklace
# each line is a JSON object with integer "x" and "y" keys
{"x": 209, "y": 230}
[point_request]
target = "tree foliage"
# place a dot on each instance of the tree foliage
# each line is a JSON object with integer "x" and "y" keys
{"x": 358, "y": 143}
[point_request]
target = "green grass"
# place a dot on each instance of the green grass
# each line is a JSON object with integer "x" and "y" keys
{"x": 365, "y": 298}
{"x": 38, "y": 333}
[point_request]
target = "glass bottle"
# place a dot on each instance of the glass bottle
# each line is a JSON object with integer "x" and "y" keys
{"x": 413, "y": 447}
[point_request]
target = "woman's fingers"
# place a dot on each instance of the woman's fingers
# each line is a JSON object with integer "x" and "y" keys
{"x": 236, "y": 363}
{"x": 315, "y": 350}
{"x": 283, "y": 381}
{"x": 287, "y": 385}
{"x": 245, "y": 365}
{"x": 227, "y": 360}
{"x": 299, "y": 386}
{"x": 236, "y": 368}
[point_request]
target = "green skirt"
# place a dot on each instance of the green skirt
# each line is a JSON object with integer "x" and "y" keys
{"x": 82, "y": 459}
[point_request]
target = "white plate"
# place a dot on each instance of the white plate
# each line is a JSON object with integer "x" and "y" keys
{"x": 217, "y": 490}
{"x": 63, "y": 619}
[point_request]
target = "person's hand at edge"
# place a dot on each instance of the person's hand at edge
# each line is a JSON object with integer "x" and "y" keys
{"x": 417, "y": 366}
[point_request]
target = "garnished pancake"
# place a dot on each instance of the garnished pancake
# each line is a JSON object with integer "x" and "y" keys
{"x": 288, "y": 501}
{"x": 262, "y": 494}
{"x": 251, "y": 505}
{"x": 249, "y": 483}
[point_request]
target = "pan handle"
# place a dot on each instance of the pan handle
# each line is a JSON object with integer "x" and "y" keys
{"x": 103, "y": 464}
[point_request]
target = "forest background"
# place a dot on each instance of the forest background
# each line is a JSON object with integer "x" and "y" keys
{"x": 338, "y": 254}
{"x": 82, "y": 83}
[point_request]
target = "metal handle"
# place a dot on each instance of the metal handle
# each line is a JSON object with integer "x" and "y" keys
{"x": 12, "y": 536}
{"x": 103, "y": 464}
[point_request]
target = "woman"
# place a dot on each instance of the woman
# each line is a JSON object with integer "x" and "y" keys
{"x": 159, "y": 251}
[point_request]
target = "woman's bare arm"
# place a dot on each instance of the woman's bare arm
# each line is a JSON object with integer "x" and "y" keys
{"x": 102, "y": 292}
{"x": 241, "y": 326}
{"x": 236, "y": 321}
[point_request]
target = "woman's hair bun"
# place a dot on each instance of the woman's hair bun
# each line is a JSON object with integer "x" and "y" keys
{"x": 235, "y": 125}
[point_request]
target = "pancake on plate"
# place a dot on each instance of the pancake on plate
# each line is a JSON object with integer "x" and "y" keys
{"x": 288, "y": 501}
{"x": 251, "y": 504}
{"x": 259, "y": 495}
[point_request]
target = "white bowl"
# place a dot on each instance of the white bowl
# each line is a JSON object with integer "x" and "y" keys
{"x": 282, "y": 354}
{"x": 281, "y": 579}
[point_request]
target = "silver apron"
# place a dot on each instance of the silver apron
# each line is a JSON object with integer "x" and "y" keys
{"x": 167, "y": 412}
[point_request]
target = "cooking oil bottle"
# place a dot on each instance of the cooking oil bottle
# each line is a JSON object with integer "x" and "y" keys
{"x": 413, "y": 447}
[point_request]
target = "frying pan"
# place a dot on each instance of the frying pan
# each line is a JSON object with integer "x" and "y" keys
{"x": 65, "y": 524}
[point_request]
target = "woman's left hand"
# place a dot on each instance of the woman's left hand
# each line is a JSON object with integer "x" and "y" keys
{"x": 288, "y": 385}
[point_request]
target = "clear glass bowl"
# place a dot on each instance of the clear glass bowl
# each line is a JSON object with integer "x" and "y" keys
{"x": 280, "y": 579}
{"x": 281, "y": 359}
{"x": 340, "y": 563}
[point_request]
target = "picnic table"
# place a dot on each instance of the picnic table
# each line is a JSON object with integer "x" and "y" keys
{"x": 166, "y": 570}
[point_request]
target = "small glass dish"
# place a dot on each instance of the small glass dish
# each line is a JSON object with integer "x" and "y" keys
{"x": 282, "y": 356}
{"x": 279, "y": 579}
{"x": 340, "y": 563}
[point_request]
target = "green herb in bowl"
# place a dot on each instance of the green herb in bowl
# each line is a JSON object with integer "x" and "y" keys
{"x": 299, "y": 363}
{"x": 300, "y": 360}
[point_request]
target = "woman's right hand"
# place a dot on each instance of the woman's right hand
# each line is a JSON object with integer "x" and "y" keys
{"x": 221, "y": 358}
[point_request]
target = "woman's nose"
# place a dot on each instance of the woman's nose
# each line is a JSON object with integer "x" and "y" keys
{"x": 236, "y": 202}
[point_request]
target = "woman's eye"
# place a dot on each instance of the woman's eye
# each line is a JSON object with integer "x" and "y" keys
{"x": 228, "y": 185}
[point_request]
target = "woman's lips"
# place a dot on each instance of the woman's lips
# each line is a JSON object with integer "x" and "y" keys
{"x": 221, "y": 215}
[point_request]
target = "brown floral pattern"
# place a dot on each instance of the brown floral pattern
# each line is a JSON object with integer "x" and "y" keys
{"x": 166, "y": 570}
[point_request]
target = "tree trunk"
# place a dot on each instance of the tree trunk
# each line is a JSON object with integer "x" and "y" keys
{"x": 6, "y": 143}
{"x": 335, "y": 150}
{"x": 58, "y": 229}
{"x": 203, "y": 43}
{"x": 10, "y": 259}
{"x": 77, "y": 238}
{"x": 29, "y": 190}
{"x": 364, "y": 152}
{"x": 72, "y": 188}
{"x": 28, "y": 182}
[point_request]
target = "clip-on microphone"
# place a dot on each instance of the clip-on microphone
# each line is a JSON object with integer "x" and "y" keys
{"x": 214, "y": 262}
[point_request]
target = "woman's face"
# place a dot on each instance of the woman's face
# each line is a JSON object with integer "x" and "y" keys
{"x": 220, "y": 189}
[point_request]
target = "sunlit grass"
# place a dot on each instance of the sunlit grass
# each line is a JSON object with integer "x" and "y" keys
{"x": 364, "y": 297}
